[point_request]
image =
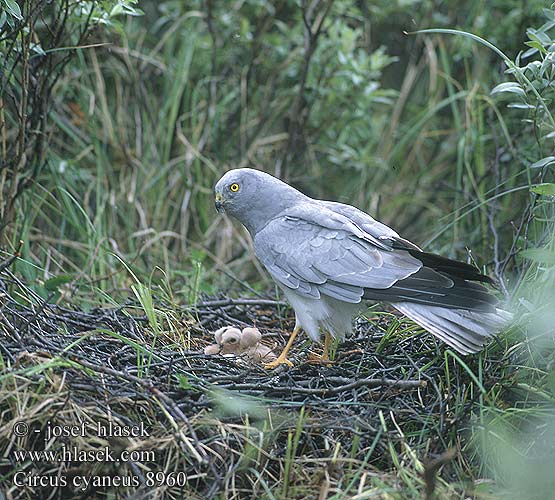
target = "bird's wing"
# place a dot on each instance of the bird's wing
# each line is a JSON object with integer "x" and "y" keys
{"x": 314, "y": 249}
{"x": 382, "y": 233}
{"x": 330, "y": 255}
{"x": 390, "y": 240}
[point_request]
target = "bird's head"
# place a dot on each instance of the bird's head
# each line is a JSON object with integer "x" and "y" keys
{"x": 250, "y": 337}
{"x": 229, "y": 340}
{"x": 253, "y": 197}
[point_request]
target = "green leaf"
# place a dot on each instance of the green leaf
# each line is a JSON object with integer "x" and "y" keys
{"x": 184, "y": 383}
{"x": 38, "y": 49}
{"x": 548, "y": 160}
{"x": 547, "y": 189}
{"x": 521, "y": 105}
{"x": 537, "y": 46}
{"x": 54, "y": 283}
{"x": 230, "y": 404}
{"x": 13, "y": 8}
{"x": 538, "y": 36}
{"x": 539, "y": 255}
{"x": 116, "y": 10}
{"x": 512, "y": 87}
{"x": 549, "y": 13}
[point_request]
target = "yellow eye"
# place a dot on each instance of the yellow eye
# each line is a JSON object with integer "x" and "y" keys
{"x": 234, "y": 187}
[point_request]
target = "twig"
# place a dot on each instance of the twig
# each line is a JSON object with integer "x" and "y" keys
{"x": 312, "y": 30}
{"x": 431, "y": 468}
{"x": 148, "y": 385}
{"x": 8, "y": 262}
{"x": 365, "y": 382}
{"x": 238, "y": 302}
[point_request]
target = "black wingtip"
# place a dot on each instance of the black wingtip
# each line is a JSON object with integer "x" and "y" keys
{"x": 451, "y": 267}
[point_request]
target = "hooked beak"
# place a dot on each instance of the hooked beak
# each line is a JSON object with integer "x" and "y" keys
{"x": 218, "y": 202}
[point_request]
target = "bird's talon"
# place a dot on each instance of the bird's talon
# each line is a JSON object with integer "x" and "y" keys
{"x": 345, "y": 354}
{"x": 319, "y": 359}
{"x": 279, "y": 361}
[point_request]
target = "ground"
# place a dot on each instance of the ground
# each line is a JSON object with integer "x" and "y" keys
{"x": 393, "y": 408}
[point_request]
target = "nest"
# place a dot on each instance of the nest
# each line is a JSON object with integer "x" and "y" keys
{"x": 233, "y": 430}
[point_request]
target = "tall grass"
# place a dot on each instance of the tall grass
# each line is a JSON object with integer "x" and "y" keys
{"x": 145, "y": 125}
{"x": 405, "y": 127}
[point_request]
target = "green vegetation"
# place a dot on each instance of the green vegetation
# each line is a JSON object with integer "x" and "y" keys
{"x": 438, "y": 118}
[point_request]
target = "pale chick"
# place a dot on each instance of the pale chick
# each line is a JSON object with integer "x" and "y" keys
{"x": 254, "y": 348}
{"x": 231, "y": 341}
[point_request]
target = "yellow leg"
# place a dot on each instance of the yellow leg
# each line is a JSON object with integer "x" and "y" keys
{"x": 325, "y": 357}
{"x": 282, "y": 358}
{"x": 327, "y": 342}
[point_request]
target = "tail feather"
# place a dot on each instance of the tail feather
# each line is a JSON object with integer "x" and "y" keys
{"x": 464, "y": 330}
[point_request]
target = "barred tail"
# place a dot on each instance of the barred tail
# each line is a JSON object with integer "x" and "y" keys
{"x": 464, "y": 330}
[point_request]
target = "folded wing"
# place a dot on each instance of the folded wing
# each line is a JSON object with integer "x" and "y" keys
{"x": 316, "y": 254}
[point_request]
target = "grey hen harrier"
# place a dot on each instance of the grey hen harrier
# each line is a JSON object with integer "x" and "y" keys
{"x": 328, "y": 257}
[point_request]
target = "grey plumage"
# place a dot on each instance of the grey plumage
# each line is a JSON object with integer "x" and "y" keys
{"x": 328, "y": 257}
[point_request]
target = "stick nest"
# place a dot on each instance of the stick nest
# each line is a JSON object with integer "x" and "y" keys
{"x": 235, "y": 429}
